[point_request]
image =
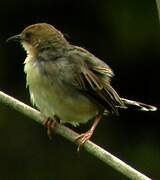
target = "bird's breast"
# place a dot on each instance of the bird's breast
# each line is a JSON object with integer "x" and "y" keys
{"x": 52, "y": 95}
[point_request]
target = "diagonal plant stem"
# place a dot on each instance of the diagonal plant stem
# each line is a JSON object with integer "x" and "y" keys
{"x": 69, "y": 134}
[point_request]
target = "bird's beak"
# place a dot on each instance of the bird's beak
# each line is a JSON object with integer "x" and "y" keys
{"x": 15, "y": 38}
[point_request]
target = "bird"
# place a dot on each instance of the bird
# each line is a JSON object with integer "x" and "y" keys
{"x": 67, "y": 83}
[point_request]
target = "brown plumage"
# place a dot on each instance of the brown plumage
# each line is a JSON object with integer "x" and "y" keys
{"x": 67, "y": 81}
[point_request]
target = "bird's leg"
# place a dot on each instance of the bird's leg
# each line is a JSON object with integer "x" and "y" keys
{"x": 82, "y": 138}
{"x": 50, "y": 124}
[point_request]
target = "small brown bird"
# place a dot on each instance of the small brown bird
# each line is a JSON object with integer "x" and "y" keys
{"x": 68, "y": 82}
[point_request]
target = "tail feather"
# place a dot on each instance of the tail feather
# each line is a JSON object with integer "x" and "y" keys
{"x": 138, "y": 105}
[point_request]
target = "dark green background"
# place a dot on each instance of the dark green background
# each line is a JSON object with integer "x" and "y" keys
{"x": 125, "y": 34}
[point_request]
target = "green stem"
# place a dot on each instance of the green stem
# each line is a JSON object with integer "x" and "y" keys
{"x": 158, "y": 8}
{"x": 69, "y": 134}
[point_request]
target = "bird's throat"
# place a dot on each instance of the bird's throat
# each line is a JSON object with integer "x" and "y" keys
{"x": 30, "y": 50}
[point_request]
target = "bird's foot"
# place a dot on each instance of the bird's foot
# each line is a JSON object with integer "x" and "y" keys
{"x": 50, "y": 124}
{"x": 82, "y": 138}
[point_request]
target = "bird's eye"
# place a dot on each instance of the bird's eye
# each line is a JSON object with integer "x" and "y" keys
{"x": 28, "y": 35}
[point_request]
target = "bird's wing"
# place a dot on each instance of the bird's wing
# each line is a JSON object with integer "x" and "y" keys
{"x": 93, "y": 77}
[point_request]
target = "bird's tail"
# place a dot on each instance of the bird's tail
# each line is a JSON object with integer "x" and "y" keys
{"x": 138, "y": 105}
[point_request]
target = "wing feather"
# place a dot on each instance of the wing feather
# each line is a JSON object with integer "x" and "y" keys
{"x": 94, "y": 78}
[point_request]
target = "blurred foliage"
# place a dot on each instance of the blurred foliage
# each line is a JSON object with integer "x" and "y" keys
{"x": 125, "y": 34}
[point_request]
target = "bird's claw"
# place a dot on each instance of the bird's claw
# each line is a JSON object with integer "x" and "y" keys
{"x": 82, "y": 138}
{"x": 50, "y": 124}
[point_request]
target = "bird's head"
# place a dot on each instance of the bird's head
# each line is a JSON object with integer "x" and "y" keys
{"x": 39, "y": 36}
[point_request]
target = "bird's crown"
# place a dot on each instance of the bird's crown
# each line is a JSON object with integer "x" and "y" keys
{"x": 41, "y": 34}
